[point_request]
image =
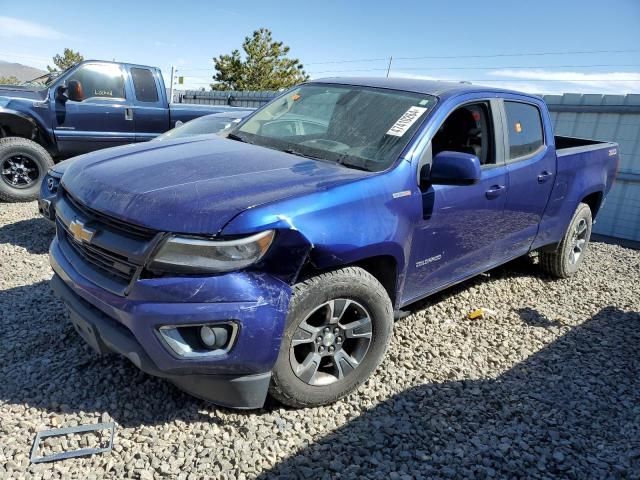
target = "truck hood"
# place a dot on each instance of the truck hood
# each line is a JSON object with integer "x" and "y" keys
{"x": 10, "y": 92}
{"x": 194, "y": 185}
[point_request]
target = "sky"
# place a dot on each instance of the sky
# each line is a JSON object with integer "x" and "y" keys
{"x": 541, "y": 46}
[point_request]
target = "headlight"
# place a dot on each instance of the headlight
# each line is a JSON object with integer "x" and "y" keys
{"x": 52, "y": 180}
{"x": 193, "y": 255}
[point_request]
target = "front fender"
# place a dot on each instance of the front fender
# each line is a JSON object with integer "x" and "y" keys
{"x": 346, "y": 224}
{"x": 19, "y": 124}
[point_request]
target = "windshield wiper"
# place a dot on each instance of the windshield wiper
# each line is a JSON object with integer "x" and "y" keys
{"x": 342, "y": 160}
{"x": 300, "y": 154}
{"x": 237, "y": 138}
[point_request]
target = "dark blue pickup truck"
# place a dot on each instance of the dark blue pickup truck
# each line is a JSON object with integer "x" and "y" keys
{"x": 93, "y": 105}
{"x": 272, "y": 261}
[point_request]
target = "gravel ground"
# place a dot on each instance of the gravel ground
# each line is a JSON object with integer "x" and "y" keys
{"x": 547, "y": 387}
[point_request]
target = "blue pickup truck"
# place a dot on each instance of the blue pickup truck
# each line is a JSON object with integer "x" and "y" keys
{"x": 273, "y": 261}
{"x": 92, "y": 105}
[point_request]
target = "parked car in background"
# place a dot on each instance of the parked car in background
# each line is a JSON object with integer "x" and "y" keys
{"x": 214, "y": 123}
{"x": 272, "y": 261}
{"x": 92, "y": 105}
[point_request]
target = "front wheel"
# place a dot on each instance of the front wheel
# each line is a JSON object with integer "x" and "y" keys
{"x": 23, "y": 165}
{"x": 338, "y": 329}
{"x": 565, "y": 260}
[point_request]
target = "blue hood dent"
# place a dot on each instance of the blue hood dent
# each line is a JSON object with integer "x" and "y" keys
{"x": 194, "y": 185}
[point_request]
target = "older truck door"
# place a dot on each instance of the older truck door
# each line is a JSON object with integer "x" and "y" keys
{"x": 151, "y": 112}
{"x": 97, "y": 114}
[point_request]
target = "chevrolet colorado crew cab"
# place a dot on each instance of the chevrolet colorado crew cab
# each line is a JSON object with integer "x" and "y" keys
{"x": 92, "y": 105}
{"x": 272, "y": 260}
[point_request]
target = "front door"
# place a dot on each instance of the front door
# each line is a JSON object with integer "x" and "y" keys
{"x": 457, "y": 234}
{"x": 100, "y": 117}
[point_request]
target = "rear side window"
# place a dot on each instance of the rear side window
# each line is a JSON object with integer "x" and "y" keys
{"x": 524, "y": 127}
{"x": 144, "y": 85}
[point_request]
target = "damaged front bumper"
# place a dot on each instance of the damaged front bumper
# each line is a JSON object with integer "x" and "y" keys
{"x": 130, "y": 325}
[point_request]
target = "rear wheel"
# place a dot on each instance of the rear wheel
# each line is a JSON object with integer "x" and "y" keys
{"x": 23, "y": 165}
{"x": 565, "y": 260}
{"x": 338, "y": 329}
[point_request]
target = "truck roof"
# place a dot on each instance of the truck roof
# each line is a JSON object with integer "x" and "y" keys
{"x": 93, "y": 60}
{"x": 429, "y": 87}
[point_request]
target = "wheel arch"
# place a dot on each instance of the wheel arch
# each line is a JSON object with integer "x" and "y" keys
{"x": 383, "y": 268}
{"x": 18, "y": 124}
{"x": 594, "y": 201}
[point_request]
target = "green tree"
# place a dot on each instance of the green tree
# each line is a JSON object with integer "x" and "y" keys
{"x": 68, "y": 59}
{"x": 265, "y": 66}
{"x": 9, "y": 80}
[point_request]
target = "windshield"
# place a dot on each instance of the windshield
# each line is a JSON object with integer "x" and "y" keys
{"x": 47, "y": 79}
{"x": 359, "y": 127}
{"x": 200, "y": 126}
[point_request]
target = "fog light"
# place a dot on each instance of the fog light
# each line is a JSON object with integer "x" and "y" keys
{"x": 200, "y": 340}
{"x": 208, "y": 336}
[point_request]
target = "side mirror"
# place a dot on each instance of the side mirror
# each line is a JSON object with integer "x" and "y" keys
{"x": 74, "y": 91}
{"x": 61, "y": 95}
{"x": 454, "y": 168}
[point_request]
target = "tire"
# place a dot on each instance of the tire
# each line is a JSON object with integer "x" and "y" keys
{"x": 564, "y": 261}
{"x": 354, "y": 294}
{"x": 23, "y": 165}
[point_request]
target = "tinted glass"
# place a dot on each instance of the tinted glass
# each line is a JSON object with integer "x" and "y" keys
{"x": 525, "y": 129}
{"x": 144, "y": 85}
{"x": 359, "y": 127}
{"x": 468, "y": 129}
{"x": 99, "y": 81}
{"x": 200, "y": 126}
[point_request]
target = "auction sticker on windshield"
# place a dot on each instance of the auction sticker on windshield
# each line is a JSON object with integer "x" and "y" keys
{"x": 407, "y": 119}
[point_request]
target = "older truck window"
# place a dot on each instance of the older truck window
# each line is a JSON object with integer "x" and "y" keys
{"x": 99, "y": 81}
{"x": 144, "y": 85}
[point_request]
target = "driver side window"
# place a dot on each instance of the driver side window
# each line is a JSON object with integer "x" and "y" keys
{"x": 103, "y": 81}
{"x": 468, "y": 129}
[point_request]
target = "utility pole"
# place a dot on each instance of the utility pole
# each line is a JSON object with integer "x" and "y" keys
{"x": 171, "y": 85}
{"x": 389, "y": 67}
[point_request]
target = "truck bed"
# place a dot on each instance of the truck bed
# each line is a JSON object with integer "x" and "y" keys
{"x": 573, "y": 145}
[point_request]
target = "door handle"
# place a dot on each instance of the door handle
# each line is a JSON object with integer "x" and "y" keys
{"x": 128, "y": 113}
{"x": 544, "y": 176}
{"x": 495, "y": 191}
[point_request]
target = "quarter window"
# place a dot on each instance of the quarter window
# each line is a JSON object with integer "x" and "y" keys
{"x": 524, "y": 127}
{"x": 99, "y": 81}
{"x": 144, "y": 85}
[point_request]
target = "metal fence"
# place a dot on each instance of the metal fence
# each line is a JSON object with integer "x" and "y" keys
{"x": 615, "y": 118}
{"x": 603, "y": 117}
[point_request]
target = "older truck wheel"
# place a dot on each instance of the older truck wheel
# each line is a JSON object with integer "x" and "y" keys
{"x": 338, "y": 329}
{"x": 565, "y": 260}
{"x": 23, "y": 165}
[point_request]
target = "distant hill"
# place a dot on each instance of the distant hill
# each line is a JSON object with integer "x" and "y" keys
{"x": 21, "y": 72}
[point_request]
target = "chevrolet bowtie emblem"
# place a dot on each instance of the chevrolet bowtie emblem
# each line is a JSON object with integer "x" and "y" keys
{"x": 80, "y": 232}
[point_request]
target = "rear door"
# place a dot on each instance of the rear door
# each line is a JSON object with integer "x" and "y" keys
{"x": 459, "y": 230}
{"x": 531, "y": 168}
{"x": 150, "y": 112}
{"x": 102, "y": 118}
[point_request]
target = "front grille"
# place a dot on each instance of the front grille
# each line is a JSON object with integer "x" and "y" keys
{"x": 114, "y": 257}
{"x": 105, "y": 261}
{"x": 127, "y": 228}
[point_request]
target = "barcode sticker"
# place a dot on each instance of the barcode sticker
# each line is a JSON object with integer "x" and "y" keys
{"x": 407, "y": 119}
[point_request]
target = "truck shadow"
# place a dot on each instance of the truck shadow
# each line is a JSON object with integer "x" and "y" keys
{"x": 569, "y": 411}
{"x": 34, "y": 234}
{"x": 46, "y": 365}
